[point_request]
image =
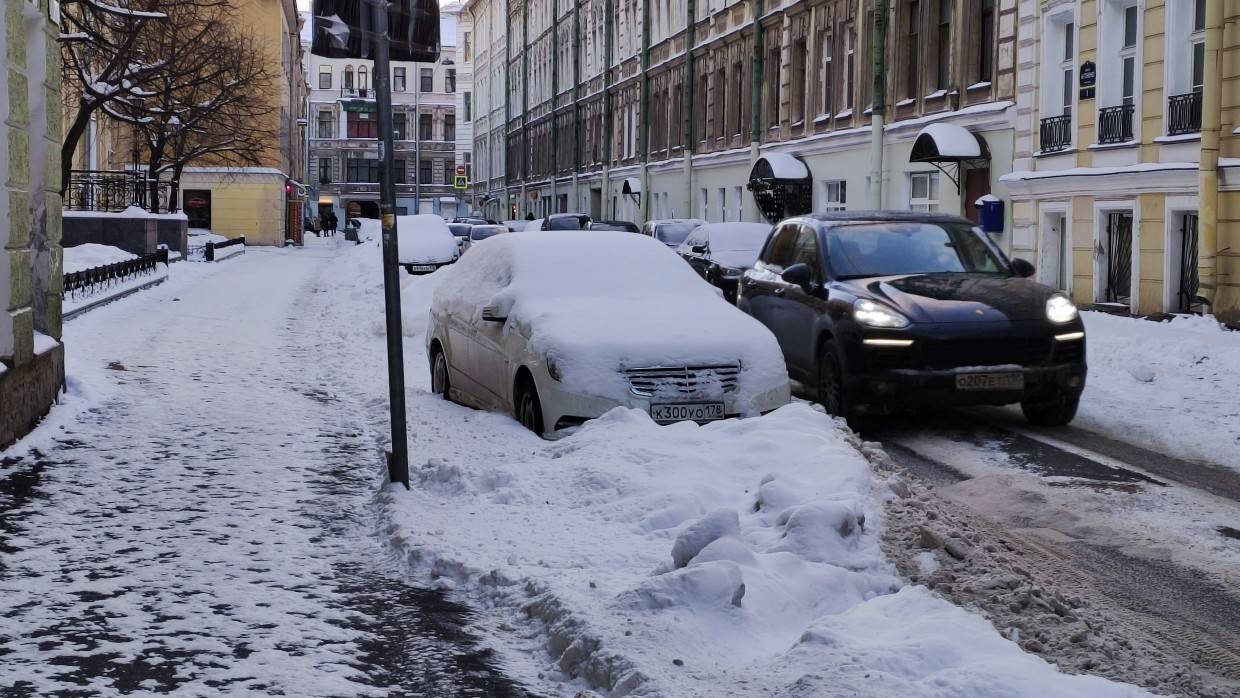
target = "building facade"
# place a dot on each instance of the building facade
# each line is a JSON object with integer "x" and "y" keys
{"x": 464, "y": 105}
{"x": 656, "y": 109}
{"x": 1127, "y": 173}
{"x": 343, "y": 153}
{"x": 32, "y": 368}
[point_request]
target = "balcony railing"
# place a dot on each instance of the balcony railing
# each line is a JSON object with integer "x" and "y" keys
{"x": 1184, "y": 114}
{"x": 106, "y": 190}
{"x": 357, "y": 93}
{"x": 1115, "y": 124}
{"x": 1056, "y": 133}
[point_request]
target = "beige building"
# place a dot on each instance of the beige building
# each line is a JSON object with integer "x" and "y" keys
{"x": 1127, "y": 173}
{"x": 31, "y": 356}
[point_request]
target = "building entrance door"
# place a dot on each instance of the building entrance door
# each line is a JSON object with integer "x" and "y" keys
{"x": 197, "y": 206}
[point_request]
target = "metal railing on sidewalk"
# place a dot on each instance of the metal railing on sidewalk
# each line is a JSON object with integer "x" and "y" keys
{"x": 91, "y": 281}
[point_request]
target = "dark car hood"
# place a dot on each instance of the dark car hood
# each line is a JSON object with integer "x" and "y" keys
{"x": 957, "y": 297}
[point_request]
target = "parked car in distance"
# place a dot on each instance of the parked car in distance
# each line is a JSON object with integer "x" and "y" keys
{"x": 621, "y": 226}
{"x": 566, "y": 221}
{"x": 560, "y": 328}
{"x": 472, "y": 220}
{"x": 536, "y": 224}
{"x": 721, "y": 252}
{"x": 515, "y": 226}
{"x": 671, "y": 231}
{"x": 425, "y": 243}
{"x": 478, "y": 233}
{"x": 881, "y": 310}
{"x": 461, "y": 232}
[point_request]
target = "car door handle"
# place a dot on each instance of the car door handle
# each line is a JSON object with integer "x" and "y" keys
{"x": 750, "y": 283}
{"x": 780, "y": 291}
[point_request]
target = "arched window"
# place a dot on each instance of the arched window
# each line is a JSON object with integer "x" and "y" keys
{"x": 348, "y": 77}
{"x": 362, "y": 77}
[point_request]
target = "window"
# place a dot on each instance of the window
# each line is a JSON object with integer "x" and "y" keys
{"x": 449, "y": 172}
{"x": 705, "y": 203}
{"x": 1198, "y": 40}
{"x": 739, "y": 197}
{"x": 779, "y": 250}
{"x": 772, "y": 92}
{"x": 1128, "y": 55}
{"x": 325, "y": 77}
{"x": 362, "y": 170}
{"x": 468, "y": 47}
{"x": 834, "y": 195}
{"x": 986, "y": 41}
{"x": 424, "y": 127}
{"x": 325, "y": 171}
{"x": 449, "y": 127}
{"x": 797, "y": 68}
{"x": 923, "y": 191}
{"x": 826, "y": 77}
{"x": 427, "y": 79}
{"x": 468, "y": 106}
{"x": 723, "y": 203}
{"x": 943, "y": 46}
{"x": 400, "y": 126}
{"x": 398, "y": 172}
{"x": 398, "y": 79}
{"x": 449, "y": 83}
{"x": 469, "y": 170}
{"x": 850, "y": 67}
{"x": 805, "y": 251}
{"x": 327, "y": 125}
{"x": 912, "y": 44}
{"x": 424, "y": 171}
{"x": 363, "y": 125}
{"x": 348, "y": 77}
{"x": 1066, "y": 67}
{"x": 363, "y": 78}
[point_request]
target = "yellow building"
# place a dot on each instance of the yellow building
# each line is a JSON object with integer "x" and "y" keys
{"x": 1127, "y": 172}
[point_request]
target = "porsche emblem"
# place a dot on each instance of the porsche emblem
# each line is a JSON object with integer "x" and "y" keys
{"x": 979, "y": 311}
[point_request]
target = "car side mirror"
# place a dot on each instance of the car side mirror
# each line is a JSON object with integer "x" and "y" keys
{"x": 699, "y": 249}
{"x": 1022, "y": 268}
{"x": 797, "y": 275}
{"x": 491, "y": 313}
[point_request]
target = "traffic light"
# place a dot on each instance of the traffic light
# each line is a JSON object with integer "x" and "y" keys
{"x": 342, "y": 29}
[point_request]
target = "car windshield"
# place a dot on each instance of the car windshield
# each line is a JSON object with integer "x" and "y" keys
{"x": 459, "y": 229}
{"x": 566, "y": 223}
{"x": 482, "y": 232}
{"x": 860, "y": 250}
{"x": 673, "y": 233}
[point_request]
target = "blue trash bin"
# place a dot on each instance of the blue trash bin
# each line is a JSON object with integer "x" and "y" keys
{"x": 990, "y": 213}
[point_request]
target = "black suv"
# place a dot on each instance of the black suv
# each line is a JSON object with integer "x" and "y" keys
{"x": 880, "y": 310}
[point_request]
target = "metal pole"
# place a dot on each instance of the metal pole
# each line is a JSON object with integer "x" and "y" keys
{"x": 878, "y": 53}
{"x": 398, "y": 463}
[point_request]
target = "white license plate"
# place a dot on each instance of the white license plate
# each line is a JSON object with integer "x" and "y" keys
{"x": 683, "y": 412}
{"x": 422, "y": 267}
{"x": 990, "y": 381}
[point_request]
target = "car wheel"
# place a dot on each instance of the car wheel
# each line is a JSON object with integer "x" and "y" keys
{"x": 1055, "y": 412}
{"x": 832, "y": 394}
{"x": 441, "y": 382}
{"x": 528, "y": 408}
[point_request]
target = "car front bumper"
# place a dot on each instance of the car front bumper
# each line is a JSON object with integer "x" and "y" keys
{"x": 937, "y": 387}
{"x": 420, "y": 268}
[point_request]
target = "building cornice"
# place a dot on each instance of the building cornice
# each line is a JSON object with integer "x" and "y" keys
{"x": 1142, "y": 178}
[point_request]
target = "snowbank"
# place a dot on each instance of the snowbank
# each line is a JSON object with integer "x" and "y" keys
{"x": 91, "y": 255}
{"x": 608, "y": 301}
{"x": 736, "y": 558}
{"x": 1168, "y": 386}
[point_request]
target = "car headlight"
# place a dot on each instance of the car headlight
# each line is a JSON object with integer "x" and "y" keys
{"x": 1060, "y": 310}
{"x": 873, "y": 314}
{"x": 552, "y": 369}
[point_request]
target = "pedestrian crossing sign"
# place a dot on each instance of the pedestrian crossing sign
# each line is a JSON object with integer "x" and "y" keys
{"x": 462, "y": 182}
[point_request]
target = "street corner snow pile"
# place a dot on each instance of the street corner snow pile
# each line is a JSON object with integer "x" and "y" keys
{"x": 1169, "y": 386}
{"x": 595, "y": 303}
{"x": 736, "y": 558}
{"x": 90, "y": 255}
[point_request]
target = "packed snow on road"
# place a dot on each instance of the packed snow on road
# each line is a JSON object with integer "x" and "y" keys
{"x": 736, "y": 558}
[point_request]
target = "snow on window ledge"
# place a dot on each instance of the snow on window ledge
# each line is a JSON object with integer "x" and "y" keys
{"x": 938, "y": 93}
{"x": 1070, "y": 150}
{"x": 1112, "y": 146}
{"x": 822, "y": 119}
{"x": 901, "y": 103}
{"x": 978, "y": 86}
{"x": 1182, "y": 138}
{"x": 848, "y": 112}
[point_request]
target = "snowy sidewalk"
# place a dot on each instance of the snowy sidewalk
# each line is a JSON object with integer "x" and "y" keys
{"x": 205, "y": 524}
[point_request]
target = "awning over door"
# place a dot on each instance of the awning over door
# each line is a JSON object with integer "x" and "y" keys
{"x": 780, "y": 166}
{"x": 948, "y": 143}
{"x": 781, "y": 186}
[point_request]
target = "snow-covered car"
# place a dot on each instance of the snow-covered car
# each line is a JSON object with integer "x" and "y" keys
{"x": 478, "y": 233}
{"x": 566, "y": 221}
{"x": 425, "y": 243}
{"x": 671, "y": 231}
{"x": 559, "y": 328}
{"x": 461, "y": 232}
{"x": 533, "y": 225}
{"x": 515, "y": 226}
{"x": 721, "y": 252}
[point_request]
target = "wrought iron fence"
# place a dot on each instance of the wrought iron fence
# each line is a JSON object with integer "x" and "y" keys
{"x": 1184, "y": 113}
{"x": 91, "y": 281}
{"x": 357, "y": 92}
{"x": 1187, "y": 299}
{"x": 1119, "y": 257}
{"x": 1055, "y": 133}
{"x": 1115, "y": 124}
{"x": 115, "y": 190}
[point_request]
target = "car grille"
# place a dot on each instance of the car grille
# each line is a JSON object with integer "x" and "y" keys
{"x": 1024, "y": 351}
{"x": 683, "y": 381}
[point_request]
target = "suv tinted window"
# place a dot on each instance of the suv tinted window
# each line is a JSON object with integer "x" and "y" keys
{"x": 779, "y": 251}
{"x": 805, "y": 251}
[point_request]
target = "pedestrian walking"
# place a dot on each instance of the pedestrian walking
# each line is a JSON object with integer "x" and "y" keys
{"x": 317, "y": 226}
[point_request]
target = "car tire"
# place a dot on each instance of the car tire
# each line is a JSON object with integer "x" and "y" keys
{"x": 441, "y": 379}
{"x": 527, "y": 407}
{"x": 1055, "y": 412}
{"x": 831, "y": 391}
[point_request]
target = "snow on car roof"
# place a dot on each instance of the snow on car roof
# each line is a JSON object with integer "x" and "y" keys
{"x": 424, "y": 238}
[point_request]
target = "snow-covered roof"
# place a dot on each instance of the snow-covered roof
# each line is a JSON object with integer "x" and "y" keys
{"x": 945, "y": 143}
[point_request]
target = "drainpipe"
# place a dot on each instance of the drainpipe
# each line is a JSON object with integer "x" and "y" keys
{"x": 878, "y": 57}
{"x": 1207, "y": 179}
{"x": 608, "y": 17}
{"x": 690, "y": 40}
{"x": 755, "y": 95}
{"x": 643, "y": 129}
